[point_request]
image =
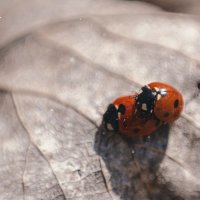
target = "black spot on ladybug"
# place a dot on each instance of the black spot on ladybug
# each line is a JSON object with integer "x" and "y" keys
{"x": 136, "y": 130}
{"x": 176, "y": 103}
{"x": 166, "y": 114}
{"x": 157, "y": 123}
{"x": 122, "y": 109}
{"x": 198, "y": 85}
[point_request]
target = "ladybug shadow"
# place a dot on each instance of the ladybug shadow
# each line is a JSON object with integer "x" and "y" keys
{"x": 133, "y": 163}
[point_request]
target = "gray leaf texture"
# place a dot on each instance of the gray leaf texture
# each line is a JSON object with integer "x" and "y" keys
{"x": 61, "y": 64}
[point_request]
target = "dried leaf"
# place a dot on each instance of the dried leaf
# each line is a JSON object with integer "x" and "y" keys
{"x": 59, "y": 71}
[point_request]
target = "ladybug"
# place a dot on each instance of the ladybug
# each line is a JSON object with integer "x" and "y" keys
{"x": 142, "y": 113}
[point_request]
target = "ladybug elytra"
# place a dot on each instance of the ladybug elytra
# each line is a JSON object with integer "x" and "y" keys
{"x": 142, "y": 113}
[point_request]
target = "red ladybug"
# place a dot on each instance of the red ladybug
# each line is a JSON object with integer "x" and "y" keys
{"x": 169, "y": 102}
{"x": 142, "y": 113}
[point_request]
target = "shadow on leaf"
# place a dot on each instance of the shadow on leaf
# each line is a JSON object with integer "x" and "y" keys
{"x": 133, "y": 163}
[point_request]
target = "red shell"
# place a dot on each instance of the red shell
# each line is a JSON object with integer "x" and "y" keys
{"x": 124, "y": 115}
{"x": 129, "y": 123}
{"x": 168, "y": 108}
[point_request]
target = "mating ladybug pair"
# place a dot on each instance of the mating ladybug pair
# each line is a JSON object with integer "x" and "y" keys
{"x": 141, "y": 114}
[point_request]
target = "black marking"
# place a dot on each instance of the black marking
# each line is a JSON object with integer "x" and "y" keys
{"x": 122, "y": 109}
{"x": 136, "y": 130}
{"x": 146, "y": 97}
{"x": 111, "y": 117}
{"x": 166, "y": 114}
{"x": 176, "y": 103}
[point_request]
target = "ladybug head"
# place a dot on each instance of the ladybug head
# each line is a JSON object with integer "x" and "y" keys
{"x": 110, "y": 118}
{"x": 145, "y": 102}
